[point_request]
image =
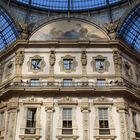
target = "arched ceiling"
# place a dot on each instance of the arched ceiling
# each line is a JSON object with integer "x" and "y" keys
{"x": 8, "y": 32}
{"x": 130, "y": 29}
{"x": 72, "y": 5}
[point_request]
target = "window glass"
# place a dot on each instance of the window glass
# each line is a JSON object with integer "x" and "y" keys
{"x": 100, "y": 82}
{"x": 67, "y": 82}
{"x": 36, "y": 64}
{"x": 31, "y": 121}
{"x": 1, "y": 119}
{"x": 8, "y": 31}
{"x": 68, "y": 64}
{"x": 103, "y": 121}
{"x": 67, "y": 121}
{"x": 34, "y": 82}
{"x": 130, "y": 30}
{"x": 69, "y": 4}
{"x": 100, "y": 64}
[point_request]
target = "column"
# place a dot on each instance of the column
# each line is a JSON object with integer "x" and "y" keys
{"x": 122, "y": 108}
{"x": 12, "y": 107}
{"x": 49, "y": 126}
{"x": 85, "y": 113}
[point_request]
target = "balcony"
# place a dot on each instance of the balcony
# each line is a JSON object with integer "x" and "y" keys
{"x": 72, "y": 86}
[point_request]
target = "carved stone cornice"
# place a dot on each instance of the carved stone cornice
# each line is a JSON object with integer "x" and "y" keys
{"x": 67, "y": 101}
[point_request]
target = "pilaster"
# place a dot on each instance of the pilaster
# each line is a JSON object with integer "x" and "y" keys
{"x": 85, "y": 113}
{"x": 122, "y": 108}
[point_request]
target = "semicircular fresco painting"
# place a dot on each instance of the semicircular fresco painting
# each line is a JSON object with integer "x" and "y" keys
{"x": 69, "y": 30}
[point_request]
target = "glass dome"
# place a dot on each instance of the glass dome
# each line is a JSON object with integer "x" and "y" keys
{"x": 72, "y": 5}
{"x": 8, "y": 32}
{"x": 130, "y": 30}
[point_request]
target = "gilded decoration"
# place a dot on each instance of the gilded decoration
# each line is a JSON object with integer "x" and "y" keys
{"x": 36, "y": 64}
{"x": 100, "y": 64}
{"x": 19, "y": 58}
{"x": 9, "y": 69}
{"x": 73, "y": 63}
{"x": 128, "y": 70}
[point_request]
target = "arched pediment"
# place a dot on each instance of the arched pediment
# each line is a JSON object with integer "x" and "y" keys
{"x": 69, "y": 30}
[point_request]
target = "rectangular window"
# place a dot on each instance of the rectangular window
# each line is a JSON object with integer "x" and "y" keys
{"x": 68, "y": 64}
{"x": 67, "y": 82}
{"x": 36, "y": 64}
{"x": 100, "y": 82}
{"x": 67, "y": 121}
{"x": 31, "y": 121}
{"x": 134, "y": 119}
{"x": 1, "y": 120}
{"x": 103, "y": 121}
{"x": 34, "y": 82}
{"x": 100, "y": 64}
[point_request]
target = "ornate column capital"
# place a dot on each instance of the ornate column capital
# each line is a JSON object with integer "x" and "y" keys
{"x": 49, "y": 109}
{"x": 85, "y": 107}
{"x": 122, "y": 105}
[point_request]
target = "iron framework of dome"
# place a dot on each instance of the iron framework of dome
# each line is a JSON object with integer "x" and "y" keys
{"x": 130, "y": 30}
{"x": 72, "y": 5}
{"x": 8, "y": 31}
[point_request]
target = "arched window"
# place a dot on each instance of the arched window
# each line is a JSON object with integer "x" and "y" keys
{"x": 130, "y": 30}
{"x": 8, "y": 31}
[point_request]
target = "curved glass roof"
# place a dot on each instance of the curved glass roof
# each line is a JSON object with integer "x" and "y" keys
{"x": 72, "y": 5}
{"x": 8, "y": 32}
{"x": 130, "y": 30}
